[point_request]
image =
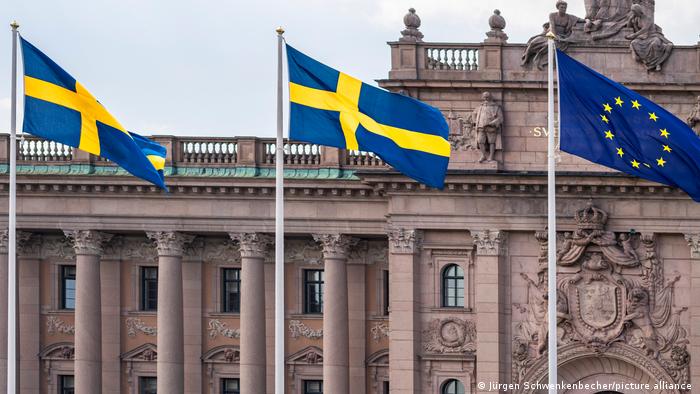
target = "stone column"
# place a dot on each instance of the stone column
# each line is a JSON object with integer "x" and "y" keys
{"x": 29, "y": 335}
{"x": 489, "y": 296}
{"x": 336, "y": 364}
{"x": 694, "y": 345}
{"x": 3, "y": 307}
{"x": 357, "y": 325}
{"x": 404, "y": 301}
{"x": 253, "y": 358}
{"x": 170, "y": 366}
{"x": 88, "y": 313}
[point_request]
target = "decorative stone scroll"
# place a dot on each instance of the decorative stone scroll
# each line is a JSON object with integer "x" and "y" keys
{"x": 88, "y": 242}
{"x": 335, "y": 245}
{"x": 134, "y": 325}
{"x": 379, "y": 331}
{"x": 298, "y": 329}
{"x": 450, "y": 335}
{"x": 54, "y": 326}
{"x": 252, "y": 244}
{"x": 170, "y": 243}
{"x": 217, "y": 327}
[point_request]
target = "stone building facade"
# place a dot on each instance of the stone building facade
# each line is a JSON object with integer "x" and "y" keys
{"x": 120, "y": 282}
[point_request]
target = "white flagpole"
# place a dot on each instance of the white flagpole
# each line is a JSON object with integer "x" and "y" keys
{"x": 551, "y": 223}
{"x": 11, "y": 224}
{"x": 279, "y": 228}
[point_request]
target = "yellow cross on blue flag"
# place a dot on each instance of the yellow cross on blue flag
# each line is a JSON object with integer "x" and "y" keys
{"x": 331, "y": 108}
{"x": 609, "y": 124}
{"x": 60, "y": 109}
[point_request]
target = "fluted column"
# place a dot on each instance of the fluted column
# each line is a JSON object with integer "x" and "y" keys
{"x": 88, "y": 314}
{"x": 490, "y": 297}
{"x": 170, "y": 366}
{"x": 404, "y": 302}
{"x": 336, "y": 364}
{"x": 253, "y": 357}
{"x": 3, "y": 308}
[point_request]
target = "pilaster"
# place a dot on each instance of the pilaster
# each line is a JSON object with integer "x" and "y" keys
{"x": 694, "y": 345}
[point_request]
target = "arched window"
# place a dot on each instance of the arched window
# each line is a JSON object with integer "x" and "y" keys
{"x": 453, "y": 286}
{"x": 452, "y": 386}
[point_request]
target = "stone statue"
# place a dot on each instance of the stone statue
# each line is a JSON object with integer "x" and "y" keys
{"x": 648, "y": 45}
{"x": 536, "y": 51}
{"x": 607, "y": 17}
{"x": 488, "y": 121}
{"x": 562, "y": 24}
{"x": 694, "y": 118}
{"x": 638, "y": 315}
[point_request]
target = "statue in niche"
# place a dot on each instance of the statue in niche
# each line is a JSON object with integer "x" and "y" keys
{"x": 536, "y": 51}
{"x": 648, "y": 45}
{"x": 487, "y": 120}
{"x": 694, "y": 118}
{"x": 562, "y": 25}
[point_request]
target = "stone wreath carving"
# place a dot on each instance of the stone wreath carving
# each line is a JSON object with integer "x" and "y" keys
{"x": 298, "y": 329}
{"x": 217, "y": 327}
{"x": 134, "y": 325}
{"x": 611, "y": 288}
{"x": 379, "y": 331}
{"x": 55, "y": 325}
{"x": 450, "y": 335}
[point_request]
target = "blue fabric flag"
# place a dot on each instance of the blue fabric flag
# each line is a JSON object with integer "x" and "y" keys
{"x": 60, "y": 109}
{"x": 331, "y": 108}
{"x": 609, "y": 124}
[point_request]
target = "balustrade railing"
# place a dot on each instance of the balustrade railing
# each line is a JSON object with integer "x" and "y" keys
{"x": 295, "y": 153}
{"x": 208, "y": 151}
{"x": 36, "y": 149}
{"x": 450, "y": 57}
{"x": 362, "y": 159}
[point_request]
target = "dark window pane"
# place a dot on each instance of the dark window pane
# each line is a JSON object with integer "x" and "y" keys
{"x": 149, "y": 288}
{"x": 452, "y": 386}
{"x": 67, "y": 287}
{"x": 147, "y": 385}
{"x": 453, "y": 286}
{"x": 313, "y": 387}
{"x": 231, "y": 290}
{"x": 230, "y": 386}
{"x": 313, "y": 291}
{"x": 66, "y": 384}
{"x": 386, "y": 292}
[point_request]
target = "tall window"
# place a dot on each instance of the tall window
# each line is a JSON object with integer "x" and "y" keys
{"x": 67, "y": 287}
{"x": 452, "y": 386}
{"x": 453, "y": 286}
{"x": 313, "y": 387}
{"x": 149, "y": 288}
{"x": 230, "y": 386}
{"x": 385, "y": 386}
{"x": 313, "y": 291}
{"x": 231, "y": 290}
{"x": 385, "y": 292}
{"x": 148, "y": 385}
{"x": 66, "y": 384}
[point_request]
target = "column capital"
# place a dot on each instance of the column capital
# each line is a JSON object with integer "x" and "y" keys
{"x": 404, "y": 241}
{"x": 170, "y": 243}
{"x": 28, "y": 244}
{"x": 252, "y": 245}
{"x": 88, "y": 242}
{"x": 335, "y": 245}
{"x": 694, "y": 243}
{"x": 4, "y": 239}
{"x": 490, "y": 242}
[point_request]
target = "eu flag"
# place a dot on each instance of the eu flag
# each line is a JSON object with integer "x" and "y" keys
{"x": 609, "y": 124}
{"x": 331, "y": 108}
{"x": 59, "y": 108}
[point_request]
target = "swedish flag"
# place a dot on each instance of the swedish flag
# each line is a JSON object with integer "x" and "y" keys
{"x": 609, "y": 124}
{"x": 331, "y": 108}
{"x": 59, "y": 108}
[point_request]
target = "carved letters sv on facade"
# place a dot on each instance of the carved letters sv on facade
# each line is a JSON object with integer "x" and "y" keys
{"x": 611, "y": 291}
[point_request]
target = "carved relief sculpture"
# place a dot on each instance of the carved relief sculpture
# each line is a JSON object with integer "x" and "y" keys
{"x": 298, "y": 329}
{"x": 461, "y": 131}
{"x": 450, "y": 335}
{"x": 135, "y": 325}
{"x": 536, "y": 50}
{"x": 487, "y": 120}
{"x": 217, "y": 327}
{"x": 648, "y": 43}
{"x": 694, "y": 118}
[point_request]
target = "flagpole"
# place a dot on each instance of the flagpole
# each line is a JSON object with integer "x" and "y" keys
{"x": 11, "y": 224}
{"x": 279, "y": 228}
{"x": 551, "y": 222}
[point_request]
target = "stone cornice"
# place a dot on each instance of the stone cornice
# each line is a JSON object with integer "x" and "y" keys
{"x": 335, "y": 245}
{"x": 170, "y": 243}
{"x": 88, "y": 242}
{"x": 252, "y": 245}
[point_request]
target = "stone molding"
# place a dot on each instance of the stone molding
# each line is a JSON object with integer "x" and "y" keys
{"x": 490, "y": 242}
{"x": 335, "y": 246}
{"x": 88, "y": 242}
{"x": 4, "y": 239}
{"x": 55, "y": 325}
{"x": 217, "y": 327}
{"x": 694, "y": 243}
{"x": 252, "y": 245}
{"x": 404, "y": 241}
{"x": 299, "y": 329}
{"x": 134, "y": 325}
{"x": 170, "y": 243}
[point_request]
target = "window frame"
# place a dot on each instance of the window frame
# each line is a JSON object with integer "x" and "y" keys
{"x": 386, "y": 289}
{"x": 144, "y": 302}
{"x": 446, "y": 383}
{"x": 223, "y": 282}
{"x": 62, "y": 389}
{"x": 305, "y": 387}
{"x": 141, "y": 388}
{"x": 445, "y": 280}
{"x": 63, "y": 278}
{"x": 319, "y": 283}
{"x": 222, "y": 386}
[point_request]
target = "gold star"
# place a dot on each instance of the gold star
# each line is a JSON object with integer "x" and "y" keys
{"x": 653, "y": 116}
{"x": 609, "y": 134}
{"x": 664, "y": 133}
{"x": 604, "y": 118}
{"x": 620, "y": 152}
{"x": 660, "y": 162}
{"x": 607, "y": 108}
{"x": 635, "y": 163}
{"x": 636, "y": 105}
{"x": 667, "y": 148}
{"x": 618, "y": 101}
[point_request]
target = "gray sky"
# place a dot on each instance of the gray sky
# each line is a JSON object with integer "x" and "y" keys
{"x": 208, "y": 67}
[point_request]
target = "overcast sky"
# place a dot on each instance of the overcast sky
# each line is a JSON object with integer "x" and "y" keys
{"x": 207, "y": 67}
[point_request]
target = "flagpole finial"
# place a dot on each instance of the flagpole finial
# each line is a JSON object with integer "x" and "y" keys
{"x": 280, "y": 30}
{"x": 14, "y": 25}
